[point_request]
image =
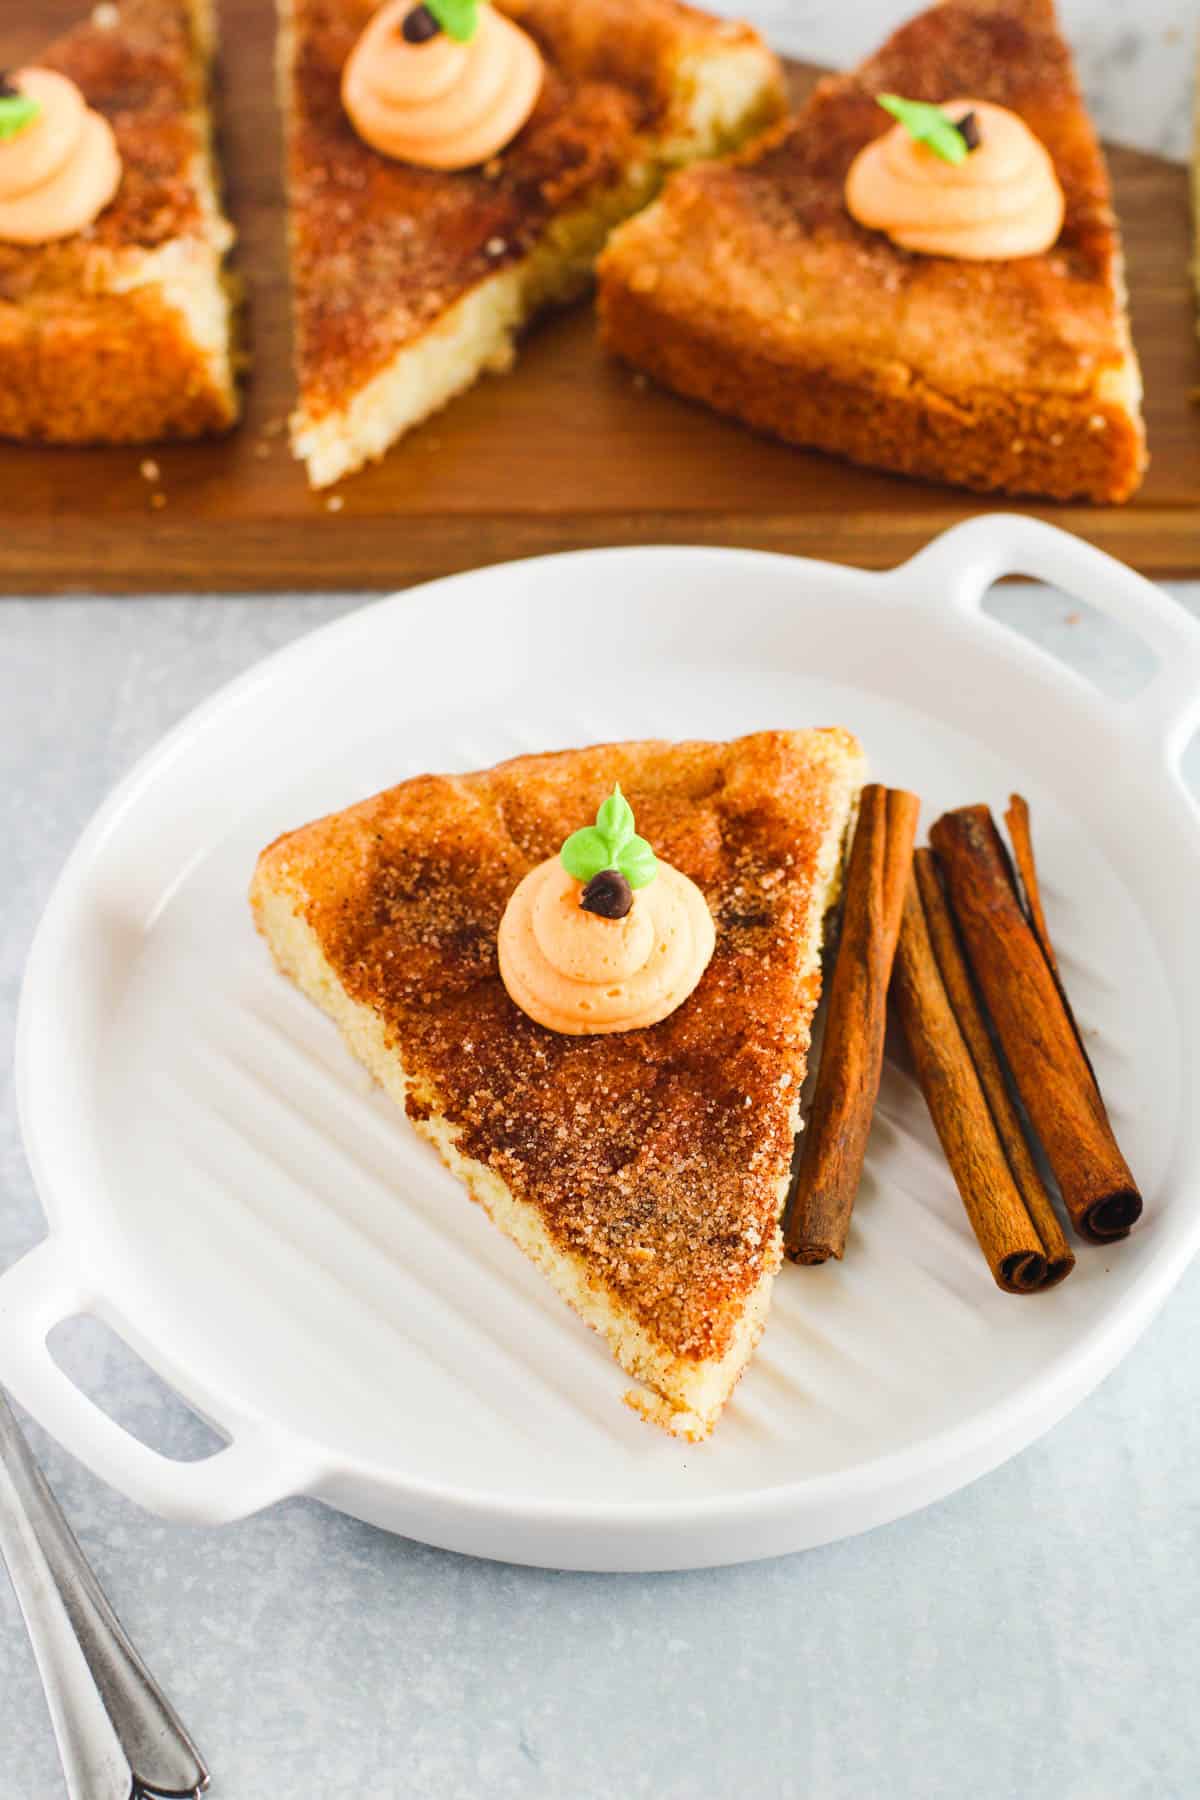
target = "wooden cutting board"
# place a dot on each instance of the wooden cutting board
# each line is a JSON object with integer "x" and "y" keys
{"x": 567, "y": 451}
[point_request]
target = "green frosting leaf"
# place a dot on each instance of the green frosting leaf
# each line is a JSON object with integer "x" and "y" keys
{"x": 585, "y": 853}
{"x": 16, "y": 112}
{"x": 611, "y": 843}
{"x": 459, "y": 19}
{"x": 615, "y": 819}
{"x": 637, "y": 862}
{"x": 928, "y": 125}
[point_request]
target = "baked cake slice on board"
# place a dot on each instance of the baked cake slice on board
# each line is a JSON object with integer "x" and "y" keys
{"x": 409, "y": 282}
{"x": 749, "y": 286}
{"x": 643, "y": 1171}
{"x": 121, "y": 332}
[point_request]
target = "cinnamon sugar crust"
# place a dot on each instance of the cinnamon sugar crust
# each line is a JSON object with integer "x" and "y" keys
{"x": 657, "y": 1159}
{"x": 750, "y": 286}
{"x": 381, "y": 249}
{"x": 120, "y": 333}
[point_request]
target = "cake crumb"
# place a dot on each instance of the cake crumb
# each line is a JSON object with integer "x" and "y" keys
{"x": 262, "y": 449}
{"x": 158, "y": 499}
{"x": 496, "y": 246}
{"x": 106, "y": 17}
{"x": 334, "y": 503}
{"x": 149, "y": 469}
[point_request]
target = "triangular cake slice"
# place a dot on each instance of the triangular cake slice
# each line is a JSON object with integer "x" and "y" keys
{"x": 408, "y": 283}
{"x": 122, "y": 334}
{"x": 644, "y": 1171}
{"x": 750, "y": 287}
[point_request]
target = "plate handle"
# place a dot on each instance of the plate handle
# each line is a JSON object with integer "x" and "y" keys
{"x": 963, "y": 563}
{"x": 259, "y": 1466}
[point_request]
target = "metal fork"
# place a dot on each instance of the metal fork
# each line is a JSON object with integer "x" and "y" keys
{"x": 118, "y": 1735}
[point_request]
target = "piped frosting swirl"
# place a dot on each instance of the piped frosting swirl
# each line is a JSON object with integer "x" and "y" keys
{"x": 59, "y": 172}
{"x": 1003, "y": 200}
{"x": 577, "y": 973}
{"x": 441, "y": 103}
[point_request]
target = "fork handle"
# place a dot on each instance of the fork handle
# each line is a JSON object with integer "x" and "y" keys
{"x": 118, "y": 1736}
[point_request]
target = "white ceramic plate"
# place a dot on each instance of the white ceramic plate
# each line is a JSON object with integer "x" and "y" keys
{"x": 226, "y": 1189}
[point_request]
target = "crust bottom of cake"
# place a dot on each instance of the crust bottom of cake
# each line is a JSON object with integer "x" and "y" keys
{"x": 683, "y": 1395}
{"x": 725, "y": 98}
{"x": 119, "y": 368}
{"x": 1060, "y": 447}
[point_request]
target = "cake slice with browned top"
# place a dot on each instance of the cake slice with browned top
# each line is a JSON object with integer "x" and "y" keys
{"x": 120, "y": 332}
{"x": 751, "y": 287}
{"x": 409, "y": 282}
{"x": 644, "y": 1170}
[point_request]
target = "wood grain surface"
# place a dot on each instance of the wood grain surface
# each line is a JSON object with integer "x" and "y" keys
{"x": 566, "y": 452}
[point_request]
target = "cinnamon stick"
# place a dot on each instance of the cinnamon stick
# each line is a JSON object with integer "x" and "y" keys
{"x": 964, "y": 1002}
{"x": 959, "y": 1109}
{"x": 1034, "y": 1028}
{"x": 847, "y": 1085}
{"x": 1021, "y": 833}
